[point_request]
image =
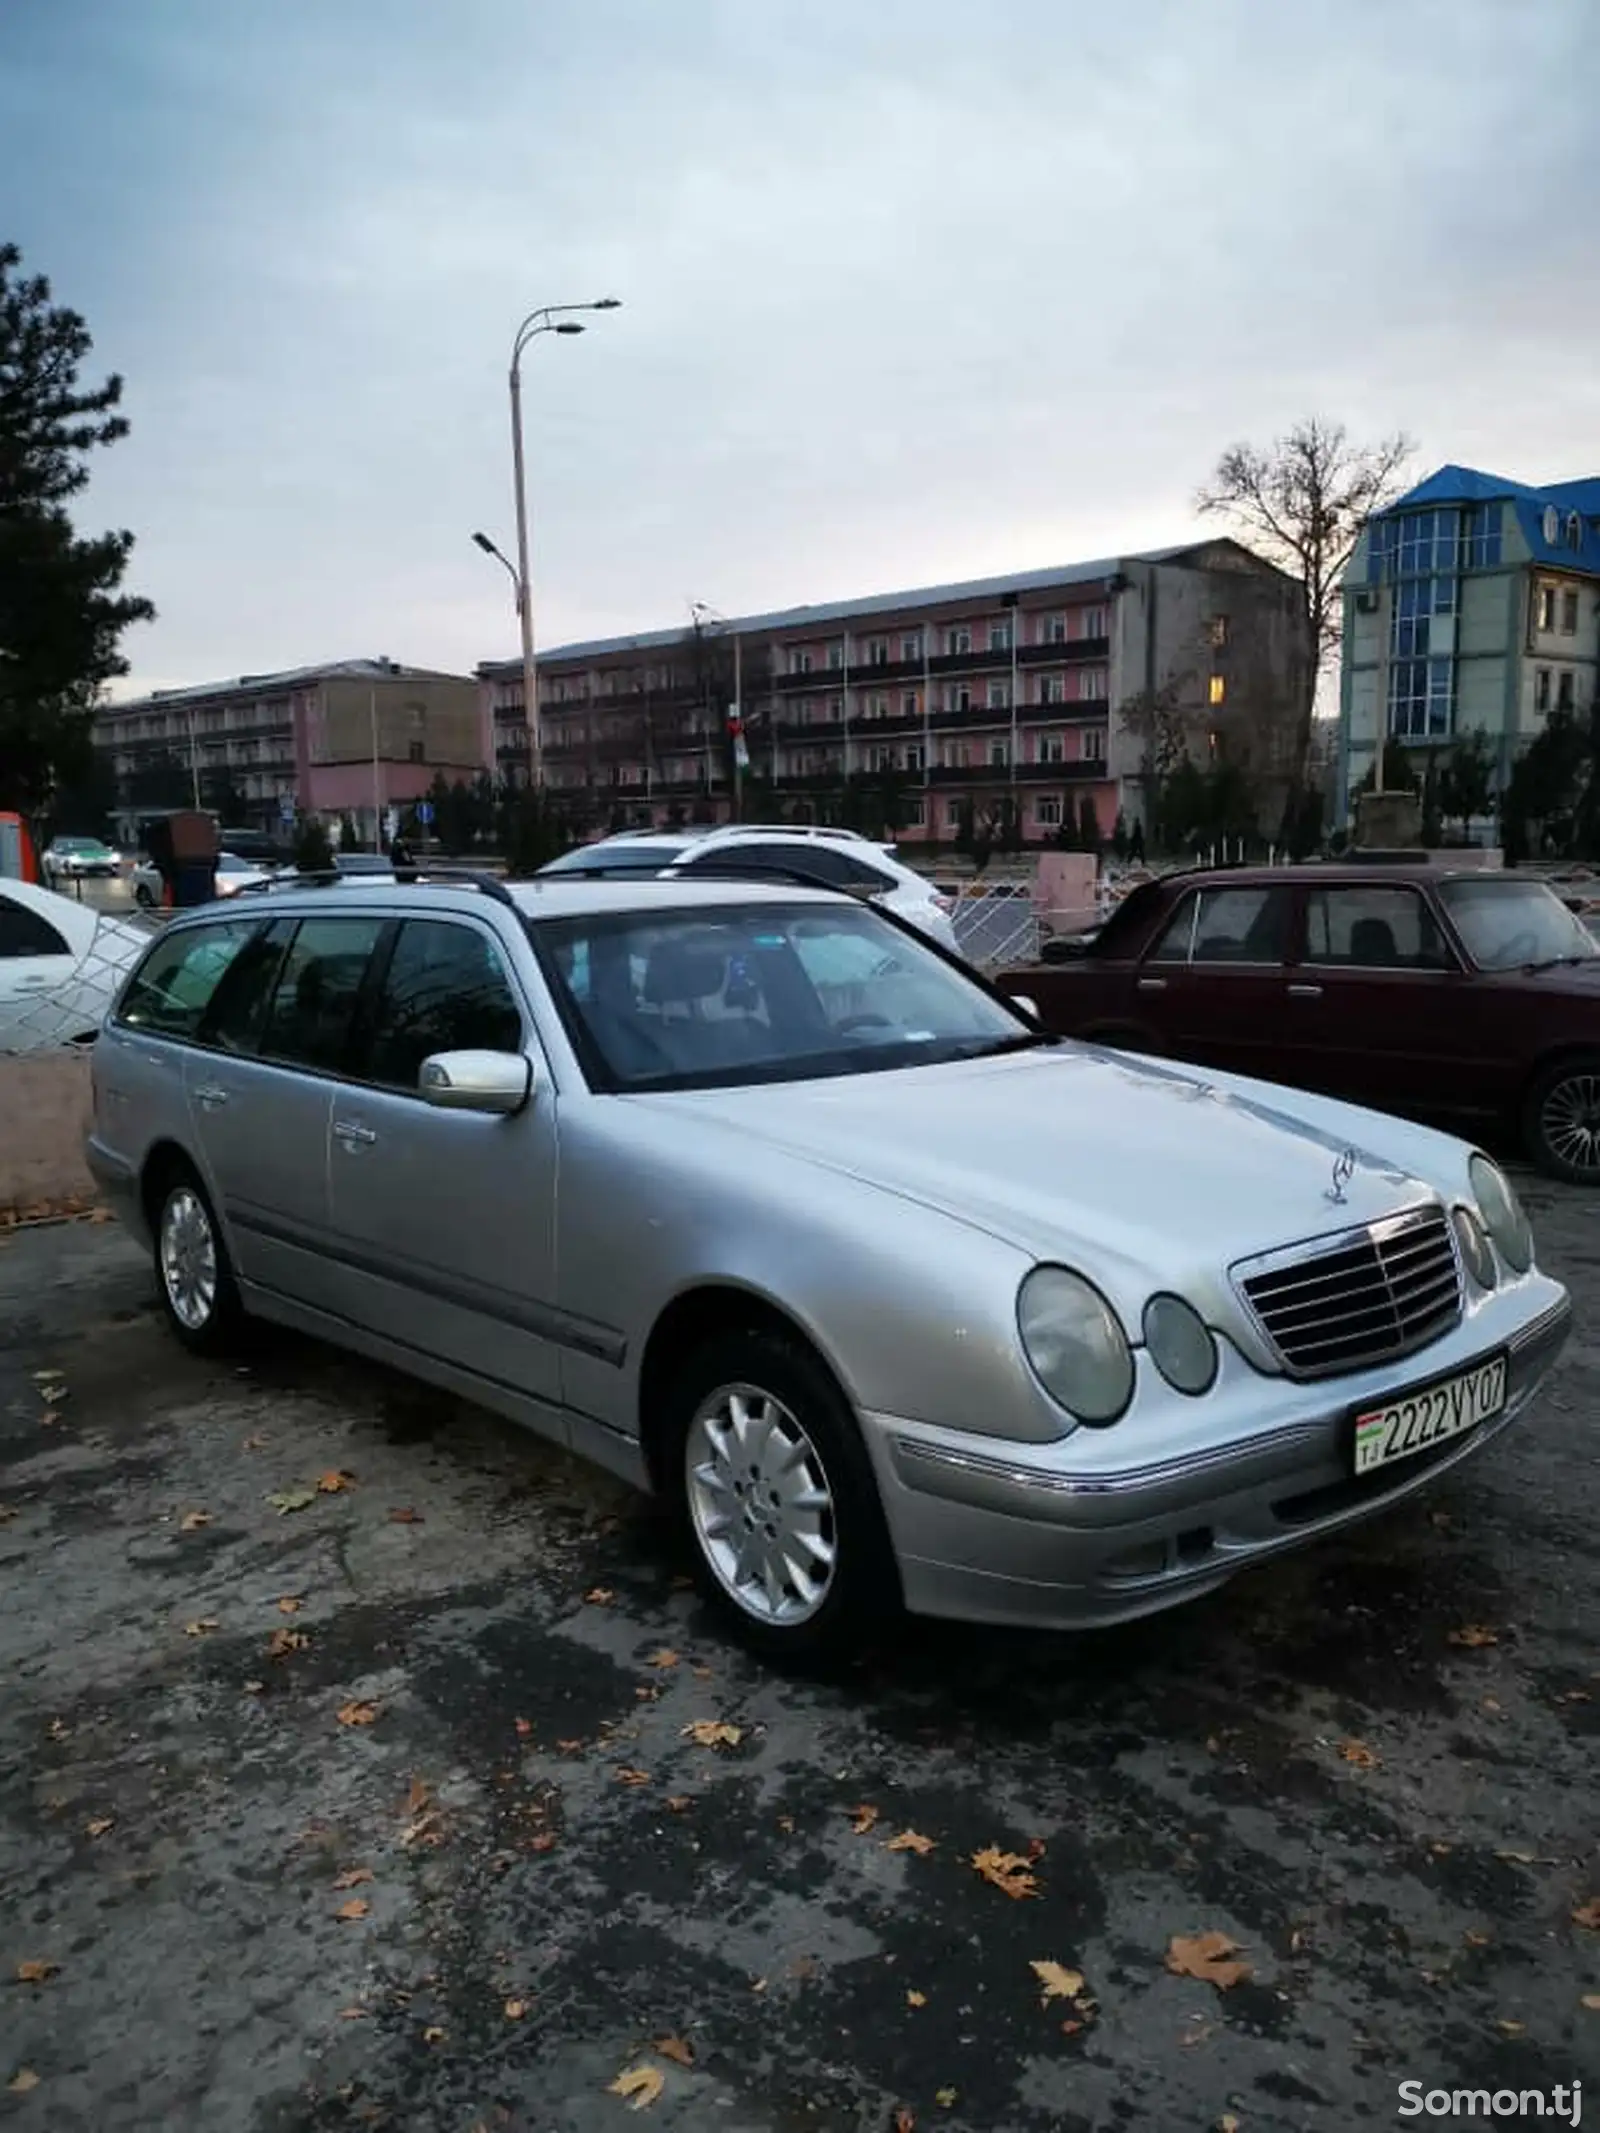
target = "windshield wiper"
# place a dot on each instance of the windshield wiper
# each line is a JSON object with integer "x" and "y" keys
{"x": 1001, "y": 1045}
{"x": 1555, "y": 962}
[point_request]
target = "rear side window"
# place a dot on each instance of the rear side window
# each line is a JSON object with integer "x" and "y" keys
{"x": 1227, "y": 925}
{"x": 313, "y": 1003}
{"x": 445, "y": 990}
{"x": 1376, "y": 927}
{"x": 24, "y": 932}
{"x": 818, "y": 862}
{"x": 172, "y": 988}
{"x": 237, "y": 1014}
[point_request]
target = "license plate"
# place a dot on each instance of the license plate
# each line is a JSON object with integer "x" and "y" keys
{"x": 1411, "y": 1423}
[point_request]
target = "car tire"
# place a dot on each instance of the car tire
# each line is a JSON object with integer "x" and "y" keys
{"x": 194, "y": 1276}
{"x": 1561, "y": 1119}
{"x": 144, "y": 896}
{"x": 803, "y": 1443}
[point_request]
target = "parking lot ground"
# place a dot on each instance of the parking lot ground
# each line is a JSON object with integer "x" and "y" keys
{"x": 349, "y": 1777}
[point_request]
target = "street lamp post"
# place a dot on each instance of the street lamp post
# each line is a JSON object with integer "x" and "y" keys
{"x": 549, "y": 318}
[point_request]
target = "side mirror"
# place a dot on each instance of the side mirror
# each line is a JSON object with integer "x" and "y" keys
{"x": 497, "y": 1082}
{"x": 1028, "y": 1005}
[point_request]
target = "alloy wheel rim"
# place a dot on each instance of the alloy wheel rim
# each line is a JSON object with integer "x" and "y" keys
{"x": 1571, "y": 1122}
{"x": 761, "y": 1505}
{"x": 188, "y": 1259}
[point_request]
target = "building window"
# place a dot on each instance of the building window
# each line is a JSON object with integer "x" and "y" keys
{"x": 1574, "y": 530}
{"x": 1092, "y": 684}
{"x": 954, "y": 754}
{"x": 952, "y": 814}
{"x": 999, "y": 636}
{"x": 880, "y": 756}
{"x": 799, "y": 662}
{"x": 1569, "y": 614}
{"x": 1052, "y": 688}
{"x": 835, "y": 656}
{"x": 1564, "y": 691}
{"x": 999, "y": 696}
{"x": 416, "y": 752}
{"x": 1480, "y": 537}
{"x": 835, "y": 709}
{"x": 959, "y": 698}
{"x": 1421, "y": 698}
{"x": 1546, "y": 608}
{"x": 1047, "y": 810}
{"x": 877, "y": 651}
{"x": 1094, "y": 622}
{"x": 1093, "y": 745}
{"x": 1054, "y": 630}
{"x": 1416, "y": 602}
{"x": 958, "y": 641}
{"x": 1541, "y": 689}
{"x": 875, "y": 706}
{"x": 1217, "y": 631}
{"x": 1052, "y": 748}
{"x": 911, "y": 645}
{"x": 998, "y": 755}
{"x": 916, "y": 812}
{"x": 914, "y": 756}
{"x": 908, "y": 703}
{"x": 1217, "y": 690}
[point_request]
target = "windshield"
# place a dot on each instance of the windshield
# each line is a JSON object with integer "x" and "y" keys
{"x": 761, "y": 992}
{"x": 623, "y": 855}
{"x": 1506, "y": 924}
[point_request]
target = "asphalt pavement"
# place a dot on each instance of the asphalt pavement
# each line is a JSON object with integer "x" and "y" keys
{"x": 363, "y": 1762}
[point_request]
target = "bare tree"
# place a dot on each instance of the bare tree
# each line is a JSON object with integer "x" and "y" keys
{"x": 1302, "y": 501}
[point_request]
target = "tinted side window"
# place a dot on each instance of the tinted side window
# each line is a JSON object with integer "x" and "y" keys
{"x": 173, "y": 986}
{"x": 446, "y": 990}
{"x": 1218, "y": 925}
{"x": 24, "y": 932}
{"x": 1374, "y": 928}
{"x": 314, "y": 992}
{"x": 237, "y": 1014}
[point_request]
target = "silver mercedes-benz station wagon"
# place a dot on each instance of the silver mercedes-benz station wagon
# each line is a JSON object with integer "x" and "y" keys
{"x": 757, "y": 1197}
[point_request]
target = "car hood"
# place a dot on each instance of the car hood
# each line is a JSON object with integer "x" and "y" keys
{"x": 1085, "y": 1153}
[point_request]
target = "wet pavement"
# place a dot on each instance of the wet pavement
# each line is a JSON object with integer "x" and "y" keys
{"x": 381, "y": 1803}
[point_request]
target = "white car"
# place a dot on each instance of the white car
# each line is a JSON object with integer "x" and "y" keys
{"x": 854, "y": 864}
{"x": 61, "y": 965}
{"x": 233, "y": 874}
{"x": 80, "y": 859}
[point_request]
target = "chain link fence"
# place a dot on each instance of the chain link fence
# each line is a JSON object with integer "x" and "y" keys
{"x": 65, "y": 966}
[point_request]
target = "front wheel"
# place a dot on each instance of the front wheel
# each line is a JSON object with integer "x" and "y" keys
{"x": 777, "y": 1494}
{"x": 144, "y": 896}
{"x": 1561, "y": 1119}
{"x": 198, "y": 1292}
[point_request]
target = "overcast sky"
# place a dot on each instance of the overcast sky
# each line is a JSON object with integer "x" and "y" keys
{"x": 913, "y": 289}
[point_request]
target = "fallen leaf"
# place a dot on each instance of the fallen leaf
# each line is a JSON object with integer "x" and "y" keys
{"x": 515, "y": 2010}
{"x": 352, "y": 1877}
{"x": 433, "y": 2034}
{"x": 1008, "y": 1871}
{"x": 192, "y": 1521}
{"x": 22, "y": 2081}
{"x": 1473, "y": 1635}
{"x": 1036, "y": 1849}
{"x": 49, "y": 1377}
{"x": 52, "y": 1393}
{"x": 641, "y": 2085}
{"x": 910, "y": 1840}
{"x": 903, "y": 2121}
{"x": 545, "y": 1842}
{"x": 353, "y": 2014}
{"x": 252, "y": 1444}
{"x": 417, "y": 1798}
{"x": 99, "y": 1826}
{"x": 569, "y": 1747}
{"x": 663, "y": 1658}
{"x": 357, "y": 1907}
{"x": 1573, "y": 1696}
{"x": 701, "y": 1673}
{"x": 1228, "y": 2122}
{"x": 405, "y": 1516}
{"x": 862, "y": 1819}
{"x": 678, "y": 1801}
{"x": 758, "y": 1984}
{"x": 1588, "y": 1914}
{"x": 254, "y": 1688}
{"x": 1197, "y": 2035}
{"x": 289, "y": 1604}
{"x": 1358, "y": 1753}
{"x": 1056, "y": 1982}
{"x": 944, "y": 2098}
{"x": 356, "y": 1713}
{"x": 284, "y": 1641}
{"x": 678, "y": 2049}
{"x": 1475, "y": 1940}
{"x": 7, "y": 1510}
{"x": 1490, "y": 1703}
{"x": 1516, "y": 1858}
{"x": 1209, "y": 1957}
{"x": 916, "y": 1999}
{"x": 1591, "y": 2000}
{"x": 1072, "y": 2028}
{"x": 524, "y": 1727}
{"x": 283, "y": 1501}
{"x": 601, "y": 1596}
{"x": 715, "y": 1733}
{"x": 627, "y": 1775}
{"x": 786, "y": 1824}
{"x": 1510, "y": 2029}
{"x": 36, "y": 1972}
{"x": 334, "y": 1481}
{"x": 202, "y": 1628}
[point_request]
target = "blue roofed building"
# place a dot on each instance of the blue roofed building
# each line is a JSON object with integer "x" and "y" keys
{"x": 1471, "y": 605}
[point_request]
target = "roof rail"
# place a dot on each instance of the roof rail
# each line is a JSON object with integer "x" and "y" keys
{"x": 404, "y": 877}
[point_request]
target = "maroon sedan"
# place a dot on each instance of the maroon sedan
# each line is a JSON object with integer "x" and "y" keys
{"x": 1471, "y": 998}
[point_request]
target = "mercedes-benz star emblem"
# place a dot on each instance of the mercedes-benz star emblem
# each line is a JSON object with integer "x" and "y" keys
{"x": 1344, "y": 1170}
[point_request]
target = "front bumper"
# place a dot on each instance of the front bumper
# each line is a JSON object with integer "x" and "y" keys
{"x": 1059, "y": 1536}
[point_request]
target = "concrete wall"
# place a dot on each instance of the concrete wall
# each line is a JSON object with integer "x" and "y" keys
{"x": 44, "y": 1114}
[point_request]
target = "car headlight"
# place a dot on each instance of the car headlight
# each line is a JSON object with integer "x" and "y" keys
{"x": 1075, "y": 1343}
{"x": 1474, "y": 1245}
{"x": 1502, "y": 1213}
{"x": 1180, "y": 1344}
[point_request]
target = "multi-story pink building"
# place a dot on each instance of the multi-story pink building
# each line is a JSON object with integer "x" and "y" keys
{"x": 1003, "y": 692}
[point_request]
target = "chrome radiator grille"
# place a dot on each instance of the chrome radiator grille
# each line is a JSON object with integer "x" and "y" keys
{"x": 1362, "y": 1298}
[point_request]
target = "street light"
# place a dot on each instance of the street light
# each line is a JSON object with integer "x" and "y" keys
{"x": 549, "y": 318}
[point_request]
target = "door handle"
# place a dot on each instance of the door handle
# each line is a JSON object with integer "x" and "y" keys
{"x": 353, "y": 1133}
{"x": 33, "y": 984}
{"x": 1305, "y": 992}
{"x": 211, "y": 1098}
{"x": 1152, "y": 985}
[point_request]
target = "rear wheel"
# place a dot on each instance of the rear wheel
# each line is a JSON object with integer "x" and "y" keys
{"x": 1561, "y": 1119}
{"x": 777, "y": 1495}
{"x": 198, "y": 1291}
{"x": 144, "y": 896}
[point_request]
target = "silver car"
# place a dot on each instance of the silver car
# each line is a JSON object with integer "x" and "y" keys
{"x": 756, "y": 1197}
